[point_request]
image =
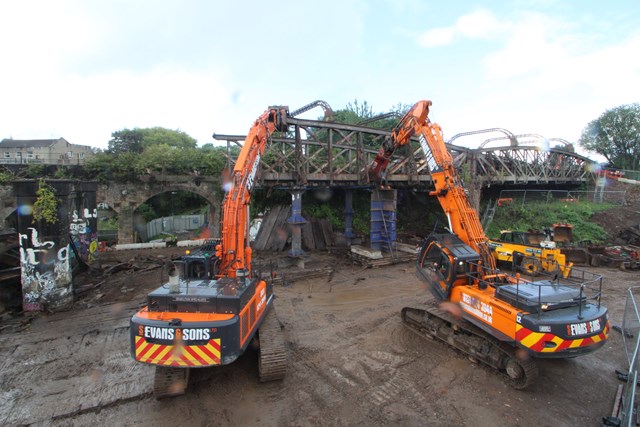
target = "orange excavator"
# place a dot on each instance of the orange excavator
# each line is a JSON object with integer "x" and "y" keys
{"x": 213, "y": 305}
{"x": 504, "y": 321}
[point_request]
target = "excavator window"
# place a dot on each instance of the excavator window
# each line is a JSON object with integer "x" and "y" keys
{"x": 444, "y": 267}
{"x": 197, "y": 270}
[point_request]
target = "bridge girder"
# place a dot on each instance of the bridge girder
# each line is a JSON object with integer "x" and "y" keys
{"x": 336, "y": 154}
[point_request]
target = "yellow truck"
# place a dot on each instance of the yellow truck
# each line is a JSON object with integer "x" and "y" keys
{"x": 530, "y": 252}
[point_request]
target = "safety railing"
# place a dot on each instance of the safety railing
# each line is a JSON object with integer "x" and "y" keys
{"x": 631, "y": 338}
{"x": 547, "y": 292}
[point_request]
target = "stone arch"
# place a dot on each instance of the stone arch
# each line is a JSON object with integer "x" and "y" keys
{"x": 125, "y": 198}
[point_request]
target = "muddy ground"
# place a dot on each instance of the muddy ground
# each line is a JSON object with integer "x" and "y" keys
{"x": 351, "y": 363}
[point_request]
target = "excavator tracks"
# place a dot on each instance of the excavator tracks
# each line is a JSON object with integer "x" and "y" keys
{"x": 272, "y": 365}
{"x": 435, "y": 323}
{"x": 169, "y": 382}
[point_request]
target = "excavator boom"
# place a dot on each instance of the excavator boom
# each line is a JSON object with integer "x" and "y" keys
{"x": 234, "y": 250}
{"x": 463, "y": 219}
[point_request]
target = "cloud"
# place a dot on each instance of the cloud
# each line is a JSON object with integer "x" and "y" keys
{"x": 548, "y": 74}
{"x": 86, "y": 110}
{"x": 545, "y": 56}
{"x": 480, "y": 24}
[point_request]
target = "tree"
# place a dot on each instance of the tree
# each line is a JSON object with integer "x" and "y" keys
{"x": 357, "y": 113}
{"x": 616, "y": 136}
{"x": 172, "y": 138}
{"x": 137, "y": 140}
{"x": 126, "y": 141}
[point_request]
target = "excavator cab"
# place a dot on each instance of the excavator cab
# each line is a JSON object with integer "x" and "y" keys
{"x": 200, "y": 264}
{"x": 444, "y": 261}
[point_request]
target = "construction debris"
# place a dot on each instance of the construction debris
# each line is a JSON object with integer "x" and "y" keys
{"x": 371, "y": 258}
{"x": 274, "y": 233}
{"x": 626, "y": 257}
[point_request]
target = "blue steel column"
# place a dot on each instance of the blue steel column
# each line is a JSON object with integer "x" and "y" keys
{"x": 383, "y": 220}
{"x": 296, "y": 221}
{"x": 348, "y": 216}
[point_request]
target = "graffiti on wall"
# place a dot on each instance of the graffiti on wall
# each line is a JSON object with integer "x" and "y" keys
{"x": 85, "y": 239}
{"x": 46, "y": 273}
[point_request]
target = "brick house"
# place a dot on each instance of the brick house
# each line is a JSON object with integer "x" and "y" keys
{"x": 46, "y": 151}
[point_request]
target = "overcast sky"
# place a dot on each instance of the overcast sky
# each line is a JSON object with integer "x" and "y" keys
{"x": 84, "y": 69}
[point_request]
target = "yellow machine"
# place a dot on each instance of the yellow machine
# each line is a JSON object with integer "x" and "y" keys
{"x": 530, "y": 252}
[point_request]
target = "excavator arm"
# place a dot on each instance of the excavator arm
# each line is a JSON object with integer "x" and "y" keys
{"x": 463, "y": 219}
{"x": 234, "y": 251}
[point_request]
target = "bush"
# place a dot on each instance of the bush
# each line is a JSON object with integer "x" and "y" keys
{"x": 519, "y": 217}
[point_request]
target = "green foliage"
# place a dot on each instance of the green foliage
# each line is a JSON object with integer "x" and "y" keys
{"x": 326, "y": 211}
{"x": 147, "y": 212}
{"x": 45, "y": 207}
{"x": 123, "y": 167}
{"x": 616, "y": 136}
{"x": 138, "y": 140}
{"x": 35, "y": 171}
{"x": 155, "y": 150}
{"x": 126, "y": 141}
{"x": 263, "y": 199}
{"x": 6, "y": 177}
{"x": 62, "y": 172}
{"x": 172, "y": 138}
{"x": 519, "y": 217}
{"x": 362, "y": 114}
{"x": 108, "y": 224}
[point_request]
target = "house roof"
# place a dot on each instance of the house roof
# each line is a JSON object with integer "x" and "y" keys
{"x": 27, "y": 143}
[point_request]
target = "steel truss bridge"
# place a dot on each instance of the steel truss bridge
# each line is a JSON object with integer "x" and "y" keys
{"x": 321, "y": 153}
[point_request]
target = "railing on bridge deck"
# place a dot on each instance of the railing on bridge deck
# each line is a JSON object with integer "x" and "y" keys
{"x": 337, "y": 154}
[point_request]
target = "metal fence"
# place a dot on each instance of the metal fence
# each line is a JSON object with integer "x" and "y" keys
{"x": 552, "y": 196}
{"x": 631, "y": 337}
{"x": 171, "y": 224}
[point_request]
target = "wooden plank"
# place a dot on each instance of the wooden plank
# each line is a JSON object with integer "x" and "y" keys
{"x": 327, "y": 232}
{"x": 366, "y": 252}
{"x": 266, "y": 228}
{"x": 385, "y": 260}
{"x": 617, "y": 401}
{"x": 308, "y": 242}
{"x": 279, "y": 233}
{"x": 317, "y": 235}
{"x": 410, "y": 249}
{"x": 285, "y": 233}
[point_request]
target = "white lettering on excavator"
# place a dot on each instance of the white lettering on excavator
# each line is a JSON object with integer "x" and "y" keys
{"x": 263, "y": 300}
{"x": 195, "y": 334}
{"x": 252, "y": 174}
{"x": 158, "y": 333}
{"x": 583, "y": 328}
{"x": 478, "y": 308}
{"x": 169, "y": 333}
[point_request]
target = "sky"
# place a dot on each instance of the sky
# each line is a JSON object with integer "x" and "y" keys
{"x": 83, "y": 69}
